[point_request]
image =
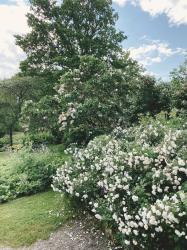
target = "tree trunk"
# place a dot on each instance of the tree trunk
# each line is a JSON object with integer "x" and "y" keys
{"x": 11, "y": 137}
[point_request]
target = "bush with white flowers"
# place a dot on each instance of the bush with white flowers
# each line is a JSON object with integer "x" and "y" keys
{"x": 94, "y": 97}
{"x": 135, "y": 181}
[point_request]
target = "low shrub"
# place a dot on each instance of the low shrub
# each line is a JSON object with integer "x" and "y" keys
{"x": 135, "y": 182}
{"x": 38, "y": 139}
{"x": 31, "y": 172}
{"x": 4, "y": 141}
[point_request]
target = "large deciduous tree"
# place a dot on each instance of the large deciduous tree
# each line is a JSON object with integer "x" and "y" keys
{"x": 61, "y": 33}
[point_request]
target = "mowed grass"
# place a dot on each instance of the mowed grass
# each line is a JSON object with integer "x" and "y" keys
{"x": 25, "y": 220}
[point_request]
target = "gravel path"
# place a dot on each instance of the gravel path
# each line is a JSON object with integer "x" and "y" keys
{"x": 74, "y": 236}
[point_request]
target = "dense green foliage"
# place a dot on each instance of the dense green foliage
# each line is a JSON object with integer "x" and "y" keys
{"x": 179, "y": 87}
{"x": 42, "y": 117}
{"x": 38, "y": 140}
{"x": 27, "y": 172}
{"x": 13, "y": 93}
{"x": 81, "y": 28}
{"x": 96, "y": 97}
{"x": 60, "y": 34}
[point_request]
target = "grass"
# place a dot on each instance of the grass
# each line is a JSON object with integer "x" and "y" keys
{"x": 25, "y": 220}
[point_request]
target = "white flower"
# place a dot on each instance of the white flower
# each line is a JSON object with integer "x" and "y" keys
{"x": 135, "y": 232}
{"x": 96, "y": 205}
{"x": 181, "y": 162}
{"x": 127, "y": 242}
{"x": 135, "y": 198}
{"x": 97, "y": 216}
{"x": 124, "y": 209}
{"x": 152, "y": 220}
{"x": 135, "y": 242}
{"x": 115, "y": 217}
{"x": 140, "y": 224}
{"x": 85, "y": 196}
{"x": 178, "y": 233}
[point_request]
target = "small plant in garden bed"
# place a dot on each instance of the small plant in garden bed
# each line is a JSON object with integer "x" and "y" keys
{"x": 135, "y": 181}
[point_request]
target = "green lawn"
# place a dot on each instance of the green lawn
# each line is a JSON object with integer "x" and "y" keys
{"x": 25, "y": 220}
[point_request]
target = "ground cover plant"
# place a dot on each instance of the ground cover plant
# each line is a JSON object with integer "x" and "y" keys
{"x": 135, "y": 181}
{"x": 27, "y": 219}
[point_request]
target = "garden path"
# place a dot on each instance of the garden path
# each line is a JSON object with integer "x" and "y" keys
{"x": 73, "y": 236}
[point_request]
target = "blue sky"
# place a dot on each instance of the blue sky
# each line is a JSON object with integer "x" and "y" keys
{"x": 154, "y": 36}
{"x": 156, "y": 30}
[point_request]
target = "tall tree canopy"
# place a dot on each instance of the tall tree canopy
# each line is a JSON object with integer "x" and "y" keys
{"x": 61, "y": 33}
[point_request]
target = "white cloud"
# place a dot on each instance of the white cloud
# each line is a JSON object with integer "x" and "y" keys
{"x": 154, "y": 52}
{"x": 13, "y": 21}
{"x": 121, "y": 2}
{"x": 175, "y": 10}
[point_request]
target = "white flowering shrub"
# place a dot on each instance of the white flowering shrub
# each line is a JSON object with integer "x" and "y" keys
{"x": 94, "y": 97}
{"x": 135, "y": 181}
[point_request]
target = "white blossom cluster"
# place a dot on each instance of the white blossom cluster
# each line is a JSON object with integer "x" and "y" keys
{"x": 68, "y": 115}
{"x": 135, "y": 180}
